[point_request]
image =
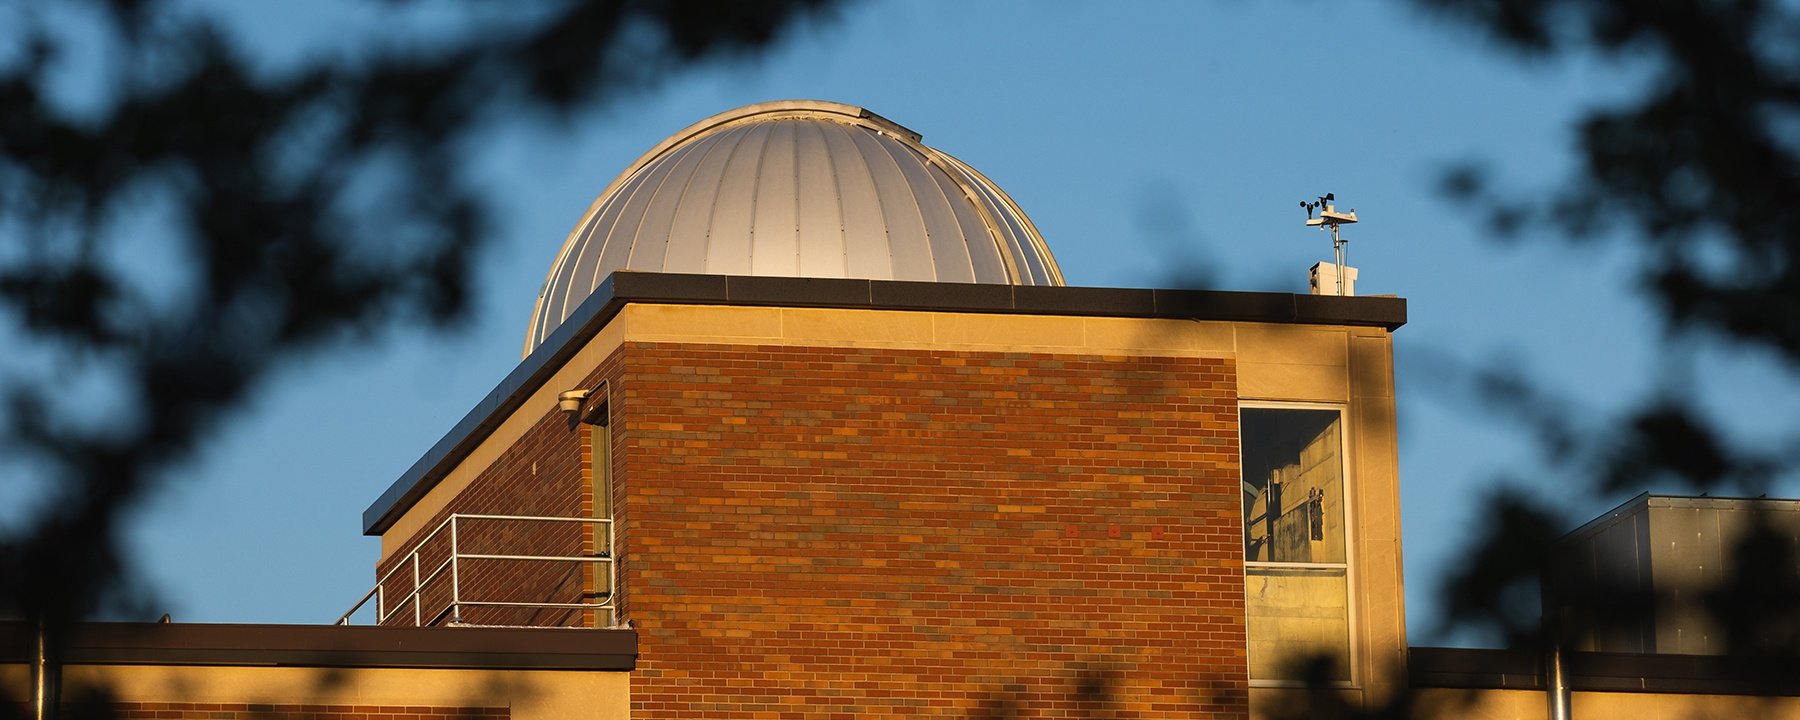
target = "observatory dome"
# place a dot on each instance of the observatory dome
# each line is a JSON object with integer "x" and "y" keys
{"x": 796, "y": 189}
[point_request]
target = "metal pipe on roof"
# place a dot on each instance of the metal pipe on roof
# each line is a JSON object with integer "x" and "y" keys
{"x": 44, "y": 691}
{"x": 1556, "y": 684}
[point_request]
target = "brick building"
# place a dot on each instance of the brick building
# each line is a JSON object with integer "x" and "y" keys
{"x": 844, "y": 445}
{"x": 808, "y": 426}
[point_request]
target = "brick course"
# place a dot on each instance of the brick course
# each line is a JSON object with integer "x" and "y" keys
{"x": 817, "y": 532}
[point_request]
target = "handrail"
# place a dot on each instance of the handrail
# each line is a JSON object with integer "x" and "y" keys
{"x": 345, "y": 619}
{"x": 453, "y": 562}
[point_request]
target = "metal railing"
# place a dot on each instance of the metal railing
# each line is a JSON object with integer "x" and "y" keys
{"x": 452, "y": 564}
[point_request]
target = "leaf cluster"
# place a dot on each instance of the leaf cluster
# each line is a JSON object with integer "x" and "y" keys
{"x": 292, "y": 209}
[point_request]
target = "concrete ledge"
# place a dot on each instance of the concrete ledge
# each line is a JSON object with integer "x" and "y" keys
{"x": 328, "y": 646}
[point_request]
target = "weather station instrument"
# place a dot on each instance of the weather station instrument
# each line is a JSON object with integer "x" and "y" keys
{"x": 1323, "y": 214}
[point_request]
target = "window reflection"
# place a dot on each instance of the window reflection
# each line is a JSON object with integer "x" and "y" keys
{"x": 1295, "y": 560}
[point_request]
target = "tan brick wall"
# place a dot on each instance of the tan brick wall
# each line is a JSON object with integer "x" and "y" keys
{"x": 834, "y": 532}
{"x": 258, "y": 711}
{"x": 376, "y": 692}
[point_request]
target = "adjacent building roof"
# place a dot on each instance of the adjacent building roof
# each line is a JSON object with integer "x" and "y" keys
{"x": 797, "y": 188}
{"x": 1485, "y": 669}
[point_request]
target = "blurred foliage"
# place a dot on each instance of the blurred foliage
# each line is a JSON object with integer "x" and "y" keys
{"x": 292, "y": 249}
{"x": 1698, "y": 171}
{"x": 312, "y": 205}
{"x": 1700, "y": 168}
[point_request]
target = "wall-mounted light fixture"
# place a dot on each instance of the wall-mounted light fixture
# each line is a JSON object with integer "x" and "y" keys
{"x": 570, "y": 400}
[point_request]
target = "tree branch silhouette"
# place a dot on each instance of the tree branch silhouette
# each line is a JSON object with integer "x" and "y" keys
{"x": 309, "y": 206}
{"x": 1697, "y": 172}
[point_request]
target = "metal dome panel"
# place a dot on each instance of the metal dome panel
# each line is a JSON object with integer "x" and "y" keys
{"x": 796, "y": 189}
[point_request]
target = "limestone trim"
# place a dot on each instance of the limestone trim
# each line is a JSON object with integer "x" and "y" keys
{"x": 531, "y": 694}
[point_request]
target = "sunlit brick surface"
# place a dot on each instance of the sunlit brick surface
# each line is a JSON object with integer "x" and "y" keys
{"x": 837, "y": 532}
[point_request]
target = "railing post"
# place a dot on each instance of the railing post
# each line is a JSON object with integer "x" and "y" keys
{"x": 380, "y": 604}
{"x": 612, "y": 576}
{"x": 455, "y": 575}
{"x": 416, "y": 593}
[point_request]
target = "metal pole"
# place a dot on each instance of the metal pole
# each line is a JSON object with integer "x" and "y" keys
{"x": 40, "y": 689}
{"x": 455, "y": 576}
{"x": 416, "y": 594}
{"x": 612, "y": 577}
{"x": 1556, "y": 684}
{"x": 1337, "y": 247}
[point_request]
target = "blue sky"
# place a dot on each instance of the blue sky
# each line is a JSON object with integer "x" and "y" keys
{"x": 1139, "y": 137}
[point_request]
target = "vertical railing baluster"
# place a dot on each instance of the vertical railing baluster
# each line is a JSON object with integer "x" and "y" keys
{"x": 416, "y": 593}
{"x": 455, "y": 575}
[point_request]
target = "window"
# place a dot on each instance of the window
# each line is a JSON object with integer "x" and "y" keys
{"x": 1296, "y": 568}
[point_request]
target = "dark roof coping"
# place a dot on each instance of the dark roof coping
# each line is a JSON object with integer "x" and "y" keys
{"x": 1706, "y": 502}
{"x": 1612, "y": 517}
{"x": 461, "y": 648}
{"x": 1471, "y": 669}
{"x": 622, "y": 288}
{"x": 1646, "y": 500}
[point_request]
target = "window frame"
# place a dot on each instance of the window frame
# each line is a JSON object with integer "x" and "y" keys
{"x": 1352, "y": 617}
{"x": 595, "y": 423}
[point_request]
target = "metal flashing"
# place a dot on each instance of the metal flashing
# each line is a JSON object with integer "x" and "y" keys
{"x": 1482, "y": 669}
{"x": 1645, "y": 500}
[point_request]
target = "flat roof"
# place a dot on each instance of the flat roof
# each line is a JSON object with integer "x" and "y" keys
{"x": 623, "y": 288}
{"x": 1646, "y": 500}
{"x": 456, "y": 648}
{"x": 1482, "y": 669}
